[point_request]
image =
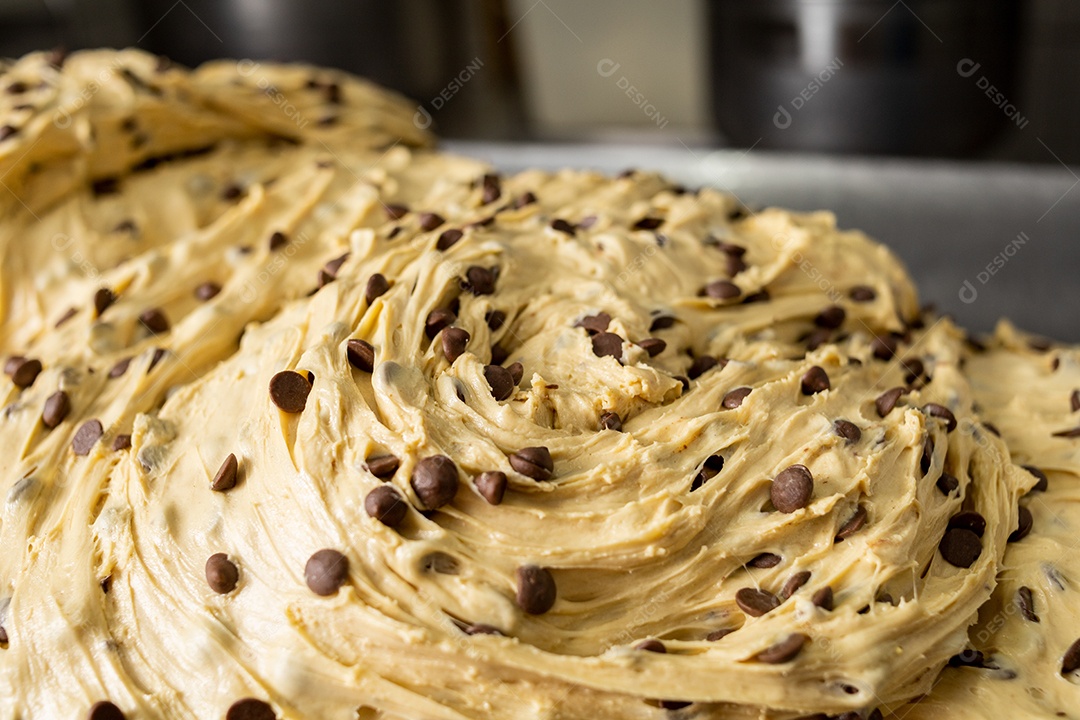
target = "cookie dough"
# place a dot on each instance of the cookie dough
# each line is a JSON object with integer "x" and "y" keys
{"x": 311, "y": 421}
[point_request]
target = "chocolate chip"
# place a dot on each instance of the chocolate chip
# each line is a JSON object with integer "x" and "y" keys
{"x": 1025, "y": 600}
{"x": 940, "y": 411}
{"x": 438, "y": 319}
{"x": 661, "y": 322}
{"x": 610, "y": 421}
{"x": 817, "y": 338}
{"x": 448, "y": 238}
{"x": 68, "y": 314}
{"x": 784, "y": 651}
{"x": 289, "y": 390}
{"x": 522, "y": 200}
{"x": 719, "y": 634}
{"x": 533, "y": 462}
{"x": 480, "y": 280}
{"x": 516, "y": 371}
{"x": 765, "y": 560}
{"x": 648, "y": 223}
{"x": 490, "y": 188}
{"x": 221, "y": 573}
{"x": 793, "y": 584}
{"x": 86, "y": 436}
{"x": 491, "y": 485}
{"x": 105, "y": 186}
{"x": 329, "y": 271}
{"x": 761, "y": 295}
{"x": 500, "y": 381}
{"x": 823, "y": 598}
{"x": 377, "y": 285}
{"x": 853, "y": 524}
{"x": 651, "y": 645}
{"x": 395, "y": 212}
{"x": 947, "y": 484}
{"x": 225, "y": 479}
{"x": 862, "y": 293}
{"x": 495, "y": 319}
{"x": 734, "y": 398}
{"x": 1024, "y": 525}
{"x": 968, "y": 658}
{"x": 7, "y": 131}
{"x": 155, "y": 358}
{"x": 232, "y": 191}
{"x": 278, "y": 240}
{"x": 250, "y": 709}
{"x": 701, "y": 365}
{"x": 361, "y": 354}
{"x": 25, "y": 372}
{"x": 435, "y": 481}
{"x": 383, "y": 466}
{"x": 326, "y": 571}
{"x": 653, "y": 346}
{"x": 927, "y": 459}
{"x": 1071, "y": 660}
{"x": 815, "y": 380}
{"x": 969, "y": 520}
{"x": 154, "y": 320}
{"x": 1044, "y": 482}
{"x": 883, "y": 347}
{"x": 454, "y": 341}
{"x": 960, "y": 547}
{"x": 721, "y": 290}
{"x": 831, "y": 317}
{"x": 792, "y": 488}
{"x": 429, "y": 221}
{"x": 607, "y": 344}
{"x": 12, "y": 364}
{"x": 386, "y": 505}
{"x": 563, "y": 226}
{"x": 1074, "y": 400}
{"x": 594, "y": 324}
{"x": 887, "y": 400}
{"x": 121, "y": 442}
{"x": 709, "y": 469}
{"x": 105, "y": 710}
{"x": 756, "y": 602}
{"x": 847, "y": 430}
{"x": 1070, "y": 433}
{"x": 536, "y": 590}
{"x": 499, "y": 354}
{"x": 207, "y": 290}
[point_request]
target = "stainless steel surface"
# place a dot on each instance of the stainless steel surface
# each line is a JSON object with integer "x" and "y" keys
{"x": 981, "y": 240}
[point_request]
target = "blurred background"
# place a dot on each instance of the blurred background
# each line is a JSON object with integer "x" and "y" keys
{"x": 946, "y": 128}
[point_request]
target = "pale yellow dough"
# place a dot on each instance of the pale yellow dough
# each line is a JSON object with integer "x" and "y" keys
{"x": 635, "y": 553}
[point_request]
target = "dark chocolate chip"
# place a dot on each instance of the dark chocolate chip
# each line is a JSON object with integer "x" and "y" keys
{"x": 661, "y": 322}
{"x": 793, "y": 584}
{"x": 817, "y": 338}
{"x": 438, "y": 319}
{"x": 68, "y": 314}
{"x": 105, "y": 710}
{"x": 831, "y": 317}
{"x": 278, "y": 240}
{"x": 792, "y": 489}
{"x": 121, "y": 442}
{"x": 435, "y": 481}
{"x": 377, "y": 285}
{"x": 533, "y": 462}
{"x": 86, "y": 436}
{"x": 651, "y": 645}
{"x": 968, "y": 658}
{"x": 563, "y": 226}
{"x": 927, "y": 458}
{"x": 883, "y": 347}
{"x": 395, "y": 212}
{"x": 823, "y": 598}
{"x": 500, "y": 381}
{"x": 386, "y": 505}
{"x": 361, "y": 354}
{"x": 594, "y": 324}
{"x": 521, "y": 201}
{"x": 969, "y": 520}
{"x": 610, "y": 421}
{"x": 1025, "y": 600}
{"x": 536, "y": 590}
{"x": 207, "y": 290}
{"x": 155, "y": 358}
{"x": 429, "y": 221}
{"x": 960, "y": 547}
{"x": 653, "y": 346}
{"x": 490, "y": 188}
{"x": 448, "y": 238}
{"x": 222, "y": 574}
{"x": 701, "y": 365}
{"x": 326, "y": 571}
{"x": 491, "y": 485}
{"x": 815, "y": 380}
{"x": 289, "y": 390}
{"x": 1044, "y": 482}
{"x": 847, "y": 430}
{"x": 734, "y": 398}
{"x": 942, "y": 412}
{"x": 1071, "y": 660}
{"x": 862, "y": 293}
{"x": 516, "y": 370}
{"x": 154, "y": 320}
{"x": 225, "y": 479}
{"x": 853, "y": 524}
{"x": 383, "y": 466}
{"x": 719, "y": 634}
{"x": 250, "y": 709}
{"x": 25, "y": 372}
{"x": 755, "y": 602}
{"x": 721, "y": 290}
{"x": 495, "y": 319}
{"x": 454, "y": 341}
{"x": 1074, "y": 400}
{"x": 232, "y": 191}
{"x": 887, "y": 400}
{"x": 784, "y": 651}
{"x": 1070, "y": 433}
{"x": 499, "y": 354}
{"x": 1024, "y": 524}
{"x": 648, "y": 223}
{"x": 480, "y": 280}
{"x": 765, "y": 560}
{"x": 607, "y": 344}
{"x": 12, "y": 364}
{"x": 761, "y": 295}
{"x": 947, "y": 484}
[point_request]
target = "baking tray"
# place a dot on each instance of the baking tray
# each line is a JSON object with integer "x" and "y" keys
{"x": 982, "y": 241}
